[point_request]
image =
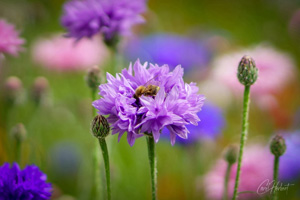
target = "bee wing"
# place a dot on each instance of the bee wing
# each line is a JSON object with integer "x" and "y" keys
{"x": 152, "y": 81}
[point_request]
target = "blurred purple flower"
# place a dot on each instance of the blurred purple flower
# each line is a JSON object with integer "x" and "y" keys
{"x": 29, "y": 183}
{"x": 65, "y": 159}
{"x": 10, "y": 41}
{"x": 108, "y": 17}
{"x": 174, "y": 106}
{"x": 212, "y": 123}
{"x": 252, "y": 174}
{"x": 169, "y": 49}
{"x": 289, "y": 166}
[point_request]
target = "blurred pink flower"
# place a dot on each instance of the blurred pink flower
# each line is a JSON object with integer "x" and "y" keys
{"x": 67, "y": 54}
{"x": 276, "y": 69}
{"x": 10, "y": 42}
{"x": 257, "y": 166}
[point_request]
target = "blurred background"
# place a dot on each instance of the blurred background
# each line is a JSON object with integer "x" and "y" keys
{"x": 48, "y": 94}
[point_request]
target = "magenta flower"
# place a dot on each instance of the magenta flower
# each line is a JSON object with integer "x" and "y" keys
{"x": 108, "y": 17}
{"x": 65, "y": 54}
{"x": 174, "y": 106}
{"x": 256, "y": 172}
{"x": 10, "y": 41}
{"x": 275, "y": 68}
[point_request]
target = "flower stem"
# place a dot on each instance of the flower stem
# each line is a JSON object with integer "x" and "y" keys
{"x": 96, "y": 159}
{"x": 152, "y": 162}
{"x": 243, "y": 137}
{"x": 18, "y": 151}
{"x": 275, "y": 177}
{"x": 226, "y": 180}
{"x": 103, "y": 146}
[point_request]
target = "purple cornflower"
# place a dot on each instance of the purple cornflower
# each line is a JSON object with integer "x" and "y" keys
{"x": 10, "y": 42}
{"x": 169, "y": 49}
{"x": 27, "y": 184}
{"x": 212, "y": 124}
{"x": 174, "y": 106}
{"x": 85, "y": 18}
{"x": 289, "y": 165}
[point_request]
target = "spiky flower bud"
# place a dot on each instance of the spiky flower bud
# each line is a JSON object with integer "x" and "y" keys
{"x": 100, "y": 127}
{"x": 278, "y": 145}
{"x": 13, "y": 88}
{"x": 231, "y": 154}
{"x": 93, "y": 77}
{"x": 39, "y": 89}
{"x": 18, "y": 132}
{"x": 247, "y": 71}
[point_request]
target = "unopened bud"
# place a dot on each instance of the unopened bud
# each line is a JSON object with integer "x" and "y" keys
{"x": 18, "y": 132}
{"x": 100, "y": 127}
{"x": 247, "y": 71}
{"x": 231, "y": 154}
{"x": 278, "y": 145}
{"x": 39, "y": 89}
{"x": 93, "y": 77}
{"x": 13, "y": 88}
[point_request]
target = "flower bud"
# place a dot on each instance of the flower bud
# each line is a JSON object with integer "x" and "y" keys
{"x": 18, "y": 132}
{"x": 39, "y": 89}
{"x": 247, "y": 71}
{"x": 231, "y": 154}
{"x": 100, "y": 127}
{"x": 278, "y": 145}
{"x": 93, "y": 77}
{"x": 13, "y": 88}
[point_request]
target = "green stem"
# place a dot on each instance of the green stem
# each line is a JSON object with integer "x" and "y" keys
{"x": 96, "y": 159}
{"x": 243, "y": 137}
{"x": 226, "y": 180}
{"x": 93, "y": 95}
{"x": 103, "y": 146}
{"x": 18, "y": 151}
{"x": 152, "y": 162}
{"x": 275, "y": 177}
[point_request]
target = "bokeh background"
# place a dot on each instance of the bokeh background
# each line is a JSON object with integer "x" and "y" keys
{"x": 207, "y": 38}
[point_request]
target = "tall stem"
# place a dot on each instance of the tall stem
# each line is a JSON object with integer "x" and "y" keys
{"x": 152, "y": 162}
{"x": 103, "y": 146}
{"x": 96, "y": 159}
{"x": 18, "y": 151}
{"x": 226, "y": 180}
{"x": 275, "y": 177}
{"x": 243, "y": 137}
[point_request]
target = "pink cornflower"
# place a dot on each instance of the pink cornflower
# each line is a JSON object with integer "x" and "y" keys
{"x": 257, "y": 167}
{"x": 67, "y": 54}
{"x": 276, "y": 69}
{"x": 10, "y": 42}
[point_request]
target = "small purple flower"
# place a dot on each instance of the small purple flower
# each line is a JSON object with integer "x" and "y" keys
{"x": 10, "y": 41}
{"x": 169, "y": 49}
{"x": 212, "y": 124}
{"x": 27, "y": 184}
{"x": 174, "y": 106}
{"x": 85, "y": 18}
{"x": 289, "y": 165}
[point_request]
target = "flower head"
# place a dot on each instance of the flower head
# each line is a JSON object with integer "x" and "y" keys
{"x": 10, "y": 42}
{"x": 145, "y": 99}
{"x": 272, "y": 76}
{"x": 170, "y": 49}
{"x": 252, "y": 174}
{"x": 108, "y": 17}
{"x": 212, "y": 124}
{"x": 29, "y": 183}
{"x": 65, "y": 54}
{"x": 289, "y": 166}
